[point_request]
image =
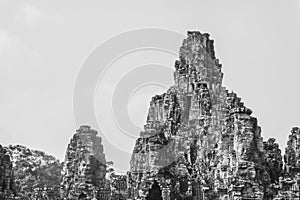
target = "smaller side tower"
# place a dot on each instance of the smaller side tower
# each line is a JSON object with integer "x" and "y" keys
{"x": 85, "y": 165}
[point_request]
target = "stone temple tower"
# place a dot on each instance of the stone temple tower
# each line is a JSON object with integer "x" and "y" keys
{"x": 85, "y": 166}
{"x": 200, "y": 140}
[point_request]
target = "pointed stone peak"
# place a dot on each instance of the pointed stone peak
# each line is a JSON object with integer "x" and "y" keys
{"x": 197, "y": 64}
{"x": 86, "y": 129}
{"x": 196, "y": 47}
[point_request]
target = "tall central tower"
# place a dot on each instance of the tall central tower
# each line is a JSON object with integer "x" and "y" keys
{"x": 199, "y": 140}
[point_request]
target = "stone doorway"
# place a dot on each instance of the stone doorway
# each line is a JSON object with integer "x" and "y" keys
{"x": 154, "y": 192}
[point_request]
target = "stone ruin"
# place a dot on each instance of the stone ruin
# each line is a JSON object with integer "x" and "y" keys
{"x": 7, "y": 184}
{"x": 83, "y": 174}
{"x": 201, "y": 142}
{"x": 289, "y": 181}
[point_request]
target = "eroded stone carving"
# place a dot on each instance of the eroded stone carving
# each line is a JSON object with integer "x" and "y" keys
{"x": 85, "y": 166}
{"x": 200, "y": 141}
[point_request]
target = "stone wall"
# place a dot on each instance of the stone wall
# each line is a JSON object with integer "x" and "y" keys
{"x": 7, "y": 184}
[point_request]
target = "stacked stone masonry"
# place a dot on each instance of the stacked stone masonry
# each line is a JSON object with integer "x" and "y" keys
{"x": 84, "y": 167}
{"x": 201, "y": 142}
{"x": 7, "y": 184}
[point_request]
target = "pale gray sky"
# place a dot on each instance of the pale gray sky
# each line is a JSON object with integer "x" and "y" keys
{"x": 44, "y": 43}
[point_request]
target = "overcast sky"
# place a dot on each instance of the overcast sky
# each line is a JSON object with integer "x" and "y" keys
{"x": 44, "y": 43}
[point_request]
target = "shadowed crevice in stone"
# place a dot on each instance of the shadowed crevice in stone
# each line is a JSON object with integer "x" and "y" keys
{"x": 154, "y": 192}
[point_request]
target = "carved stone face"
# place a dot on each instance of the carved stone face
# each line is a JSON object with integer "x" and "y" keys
{"x": 83, "y": 168}
{"x": 252, "y": 173}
